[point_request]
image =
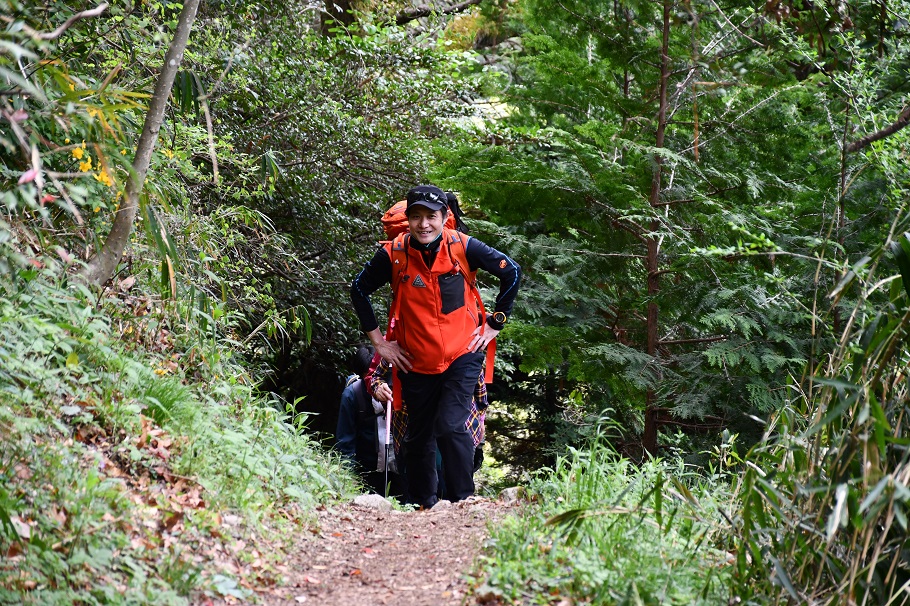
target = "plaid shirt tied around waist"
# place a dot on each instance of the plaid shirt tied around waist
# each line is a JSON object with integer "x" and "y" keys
{"x": 474, "y": 424}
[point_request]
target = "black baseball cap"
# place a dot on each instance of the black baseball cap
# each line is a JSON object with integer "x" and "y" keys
{"x": 428, "y": 196}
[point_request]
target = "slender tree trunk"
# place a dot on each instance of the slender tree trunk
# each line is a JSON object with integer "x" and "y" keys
{"x": 100, "y": 269}
{"x": 649, "y": 439}
{"x": 841, "y": 210}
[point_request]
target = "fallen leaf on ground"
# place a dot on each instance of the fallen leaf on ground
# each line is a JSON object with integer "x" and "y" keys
{"x": 22, "y": 528}
{"x": 13, "y": 550}
{"x": 171, "y": 520}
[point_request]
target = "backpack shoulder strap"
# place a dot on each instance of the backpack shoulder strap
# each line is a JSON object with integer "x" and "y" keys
{"x": 398, "y": 255}
{"x": 458, "y": 252}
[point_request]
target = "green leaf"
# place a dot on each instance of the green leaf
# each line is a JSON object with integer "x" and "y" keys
{"x": 876, "y": 492}
{"x": 72, "y": 360}
{"x": 684, "y": 491}
{"x": 784, "y": 578}
{"x": 900, "y": 248}
{"x": 659, "y": 499}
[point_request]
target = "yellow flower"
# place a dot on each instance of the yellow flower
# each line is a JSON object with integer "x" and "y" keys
{"x": 103, "y": 177}
{"x": 87, "y": 165}
{"x": 94, "y": 113}
{"x": 97, "y": 208}
{"x": 123, "y": 152}
{"x": 78, "y": 152}
{"x": 72, "y": 87}
{"x": 119, "y": 195}
{"x": 168, "y": 153}
{"x": 66, "y": 140}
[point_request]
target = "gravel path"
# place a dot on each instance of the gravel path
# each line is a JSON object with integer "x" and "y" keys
{"x": 362, "y": 556}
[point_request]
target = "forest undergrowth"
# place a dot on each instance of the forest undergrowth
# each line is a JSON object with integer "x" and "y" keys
{"x": 139, "y": 464}
{"x": 603, "y": 530}
{"x": 711, "y": 216}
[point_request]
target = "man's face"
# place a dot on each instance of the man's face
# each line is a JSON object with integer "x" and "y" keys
{"x": 425, "y": 224}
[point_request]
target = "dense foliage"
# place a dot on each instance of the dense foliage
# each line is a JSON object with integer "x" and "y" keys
{"x": 663, "y": 279}
{"x": 695, "y": 191}
{"x": 122, "y": 422}
{"x": 708, "y": 200}
{"x": 609, "y": 533}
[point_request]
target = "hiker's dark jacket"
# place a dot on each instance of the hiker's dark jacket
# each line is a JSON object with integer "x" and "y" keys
{"x": 356, "y": 432}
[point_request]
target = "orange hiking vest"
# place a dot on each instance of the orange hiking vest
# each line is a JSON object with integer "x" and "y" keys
{"x": 434, "y": 311}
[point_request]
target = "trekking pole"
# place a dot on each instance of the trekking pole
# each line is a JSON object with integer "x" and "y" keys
{"x": 388, "y": 444}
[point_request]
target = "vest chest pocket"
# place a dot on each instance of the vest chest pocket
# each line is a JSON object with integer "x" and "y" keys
{"x": 451, "y": 291}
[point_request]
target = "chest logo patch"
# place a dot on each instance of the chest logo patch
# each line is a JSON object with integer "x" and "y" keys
{"x": 418, "y": 282}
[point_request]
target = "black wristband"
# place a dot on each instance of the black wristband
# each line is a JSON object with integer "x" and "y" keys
{"x": 494, "y": 324}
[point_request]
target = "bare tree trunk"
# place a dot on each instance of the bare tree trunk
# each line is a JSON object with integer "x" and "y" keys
{"x": 100, "y": 269}
{"x": 649, "y": 439}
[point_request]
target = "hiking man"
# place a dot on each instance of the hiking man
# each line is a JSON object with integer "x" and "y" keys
{"x": 437, "y": 336}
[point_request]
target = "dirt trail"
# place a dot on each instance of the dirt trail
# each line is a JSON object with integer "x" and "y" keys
{"x": 360, "y": 556}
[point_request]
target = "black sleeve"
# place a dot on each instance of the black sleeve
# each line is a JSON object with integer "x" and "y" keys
{"x": 375, "y": 273}
{"x": 482, "y": 256}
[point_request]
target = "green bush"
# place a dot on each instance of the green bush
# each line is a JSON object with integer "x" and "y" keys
{"x": 600, "y": 530}
{"x": 98, "y": 419}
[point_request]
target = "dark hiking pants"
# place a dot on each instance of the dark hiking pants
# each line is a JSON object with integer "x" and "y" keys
{"x": 438, "y": 408}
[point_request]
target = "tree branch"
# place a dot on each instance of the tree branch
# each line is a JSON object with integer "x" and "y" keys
{"x": 685, "y": 341}
{"x": 66, "y": 25}
{"x": 710, "y": 194}
{"x": 902, "y": 121}
{"x": 423, "y": 10}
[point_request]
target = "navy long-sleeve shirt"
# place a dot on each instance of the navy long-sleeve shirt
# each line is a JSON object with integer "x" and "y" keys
{"x": 378, "y": 271}
{"x": 355, "y": 434}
